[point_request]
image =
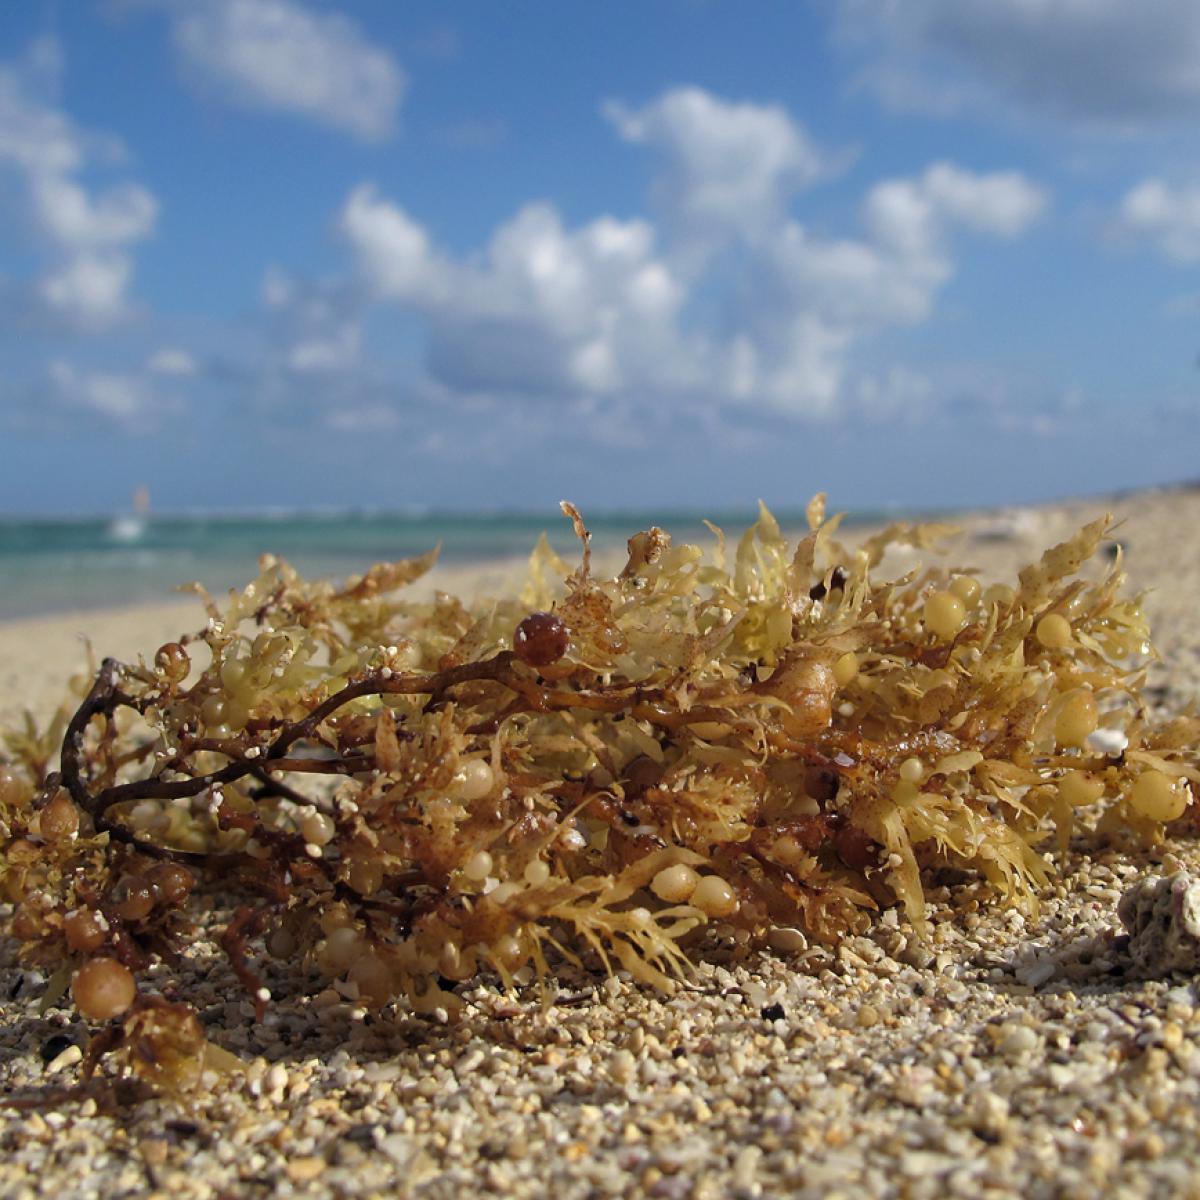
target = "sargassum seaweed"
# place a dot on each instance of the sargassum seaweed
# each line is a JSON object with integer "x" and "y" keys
{"x": 599, "y": 769}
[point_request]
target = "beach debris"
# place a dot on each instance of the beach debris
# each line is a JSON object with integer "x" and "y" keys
{"x": 1162, "y": 917}
{"x": 761, "y": 743}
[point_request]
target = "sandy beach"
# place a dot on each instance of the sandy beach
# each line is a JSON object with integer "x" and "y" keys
{"x": 1009, "y": 1056}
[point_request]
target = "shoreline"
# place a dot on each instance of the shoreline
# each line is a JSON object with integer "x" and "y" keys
{"x": 51, "y": 583}
{"x": 38, "y": 655}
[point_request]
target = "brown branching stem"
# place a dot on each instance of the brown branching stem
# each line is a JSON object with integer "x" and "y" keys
{"x": 262, "y": 763}
{"x": 245, "y": 924}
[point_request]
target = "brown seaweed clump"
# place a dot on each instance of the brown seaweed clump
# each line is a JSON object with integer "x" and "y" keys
{"x": 599, "y": 769}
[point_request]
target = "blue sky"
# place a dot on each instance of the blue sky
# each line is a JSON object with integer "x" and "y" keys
{"x": 286, "y": 252}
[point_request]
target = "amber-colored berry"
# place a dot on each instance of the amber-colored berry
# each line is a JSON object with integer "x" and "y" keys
{"x": 1077, "y": 718}
{"x": 944, "y": 614}
{"x": 103, "y": 989}
{"x": 508, "y": 951}
{"x": 478, "y": 866}
{"x": 59, "y": 819}
{"x": 473, "y": 780}
{"x": 13, "y": 789}
{"x": 135, "y": 898}
{"x": 371, "y": 976}
{"x": 540, "y": 639}
{"x": 85, "y": 930}
{"x": 1158, "y": 796}
{"x": 642, "y": 773}
{"x": 27, "y": 926}
{"x": 714, "y": 897}
{"x": 173, "y": 662}
{"x": 536, "y": 873}
{"x": 1054, "y": 631}
{"x": 845, "y": 668}
{"x": 316, "y": 828}
{"x": 170, "y": 882}
{"x": 675, "y": 884}
{"x": 856, "y": 848}
{"x": 1078, "y": 788}
{"x": 967, "y": 589}
{"x": 364, "y": 875}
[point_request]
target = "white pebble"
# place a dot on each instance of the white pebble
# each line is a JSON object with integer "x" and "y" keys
{"x": 745, "y": 1167}
{"x": 622, "y": 1066}
{"x": 398, "y": 1148}
{"x": 1018, "y": 1040}
{"x": 68, "y": 1058}
{"x": 787, "y": 940}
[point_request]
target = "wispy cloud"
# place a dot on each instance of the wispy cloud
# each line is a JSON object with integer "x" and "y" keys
{"x": 1166, "y": 216}
{"x": 724, "y": 163}
{"x": 132, "y": 401}
{"x": 281, "y": 56}
{"x": 315, "y": 328}
{"x": 1100, "y": 62}
{"x": 171, "y": 361}
{"x": 85, "y": 234}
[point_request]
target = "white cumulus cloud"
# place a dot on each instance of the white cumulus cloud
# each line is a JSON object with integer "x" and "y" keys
{"x": 910, "y": 214}
{"x": 86, "y": 233}
{"x": 731, "y": 163}
{"x": 1168, "y": 217}
{"x": 284, "y": 56}
{"x": 1108, "y": 62}
{"x": 543, "y": 309}
{"x": 760, "y": 312}
{"x": 394, "y": 252}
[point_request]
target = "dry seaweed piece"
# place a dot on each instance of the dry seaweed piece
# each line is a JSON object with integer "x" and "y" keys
{"x": 600, "y": 768}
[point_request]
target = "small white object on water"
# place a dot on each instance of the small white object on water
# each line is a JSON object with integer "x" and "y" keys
{"x": 1162, "y": 915}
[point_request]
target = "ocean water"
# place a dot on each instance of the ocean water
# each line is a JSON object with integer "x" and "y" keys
{"x": 52, "y": 565}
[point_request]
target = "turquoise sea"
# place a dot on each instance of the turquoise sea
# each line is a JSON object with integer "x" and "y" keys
{"x": 61, "y": 565}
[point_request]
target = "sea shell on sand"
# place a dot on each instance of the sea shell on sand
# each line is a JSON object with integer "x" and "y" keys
{"x": 1162, "y": 915}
